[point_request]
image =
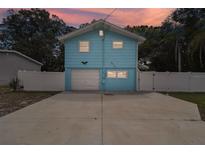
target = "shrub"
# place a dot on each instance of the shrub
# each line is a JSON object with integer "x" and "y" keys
{"x": 14, "y": 84}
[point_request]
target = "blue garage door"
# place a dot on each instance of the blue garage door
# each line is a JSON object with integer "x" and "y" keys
{"x": 120, "y": 80}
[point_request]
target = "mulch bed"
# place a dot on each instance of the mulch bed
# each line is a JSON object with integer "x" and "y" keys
{"x": 11, "y": 101}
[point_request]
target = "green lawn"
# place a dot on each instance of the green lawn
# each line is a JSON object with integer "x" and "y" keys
{"x": 197, "y": 98}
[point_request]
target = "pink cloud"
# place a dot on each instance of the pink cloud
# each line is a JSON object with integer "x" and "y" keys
{"x": 121, "y": 17}
{"x": 70, "y": 18}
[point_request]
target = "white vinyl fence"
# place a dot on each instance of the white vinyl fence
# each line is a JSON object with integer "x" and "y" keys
{"x": 148, "y": 81}
{"x": 172, "y": 81}
{"x": 42, "y": 81}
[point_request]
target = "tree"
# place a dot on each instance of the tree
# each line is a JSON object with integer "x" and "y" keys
{"x": 86, "y": 24}
{"x": 180, "y": 38}
{"x": 193, "y": 23}
{"x": 34, "y": 32}
{"x": 189, "y": 18}
{"x": 198, "y": 51}
{"x": 152, "y": 35}
{"x": 151, "y": 49}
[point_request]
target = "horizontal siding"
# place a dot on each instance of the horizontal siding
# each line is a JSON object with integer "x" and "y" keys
{"x": 125, "y": 57}
{"x": 73, "y": 57}
{"x": 128, "y": 84}
{"x": 105, "y": 84}
{"x": 67, "y": 79}
{"x": 11, "y": 63}
{"x": 113, "y": 58}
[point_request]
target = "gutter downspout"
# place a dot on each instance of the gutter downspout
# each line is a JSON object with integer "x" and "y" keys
{"x": 103, "y": 60}
{"x": 137, "y": 71}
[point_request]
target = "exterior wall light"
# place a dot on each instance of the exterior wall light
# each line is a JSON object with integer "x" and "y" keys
{"x": 101, "y": 33}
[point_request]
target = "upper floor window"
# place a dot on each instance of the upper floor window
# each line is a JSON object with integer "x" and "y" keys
{"x": 84, "y": 46}
{"x": 117, "y": 44}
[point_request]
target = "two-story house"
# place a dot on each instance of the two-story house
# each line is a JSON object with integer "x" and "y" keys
{"x": 101, "y": 56}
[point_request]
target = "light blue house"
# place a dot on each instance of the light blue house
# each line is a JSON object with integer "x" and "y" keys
{"x": 101, "y": 56}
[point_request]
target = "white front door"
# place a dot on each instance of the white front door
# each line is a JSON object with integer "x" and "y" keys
{"x": 85, "y": 79}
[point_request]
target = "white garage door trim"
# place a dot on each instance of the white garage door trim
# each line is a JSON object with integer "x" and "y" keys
{"x": 85, "y": 79}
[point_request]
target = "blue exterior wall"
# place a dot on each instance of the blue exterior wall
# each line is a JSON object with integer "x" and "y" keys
{"x": 67, "y": 79}
{"x": 103, "y": 57}
{"x": 128, "y": 84}
{"x": 119, "y": 58}
{"x": 73, "y": 57}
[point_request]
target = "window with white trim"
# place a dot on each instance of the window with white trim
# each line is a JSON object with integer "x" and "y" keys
{"x": 111, "y": 74}
{"x": 84, "y": 46}
{"x": 117, "y": 44}
{"x": 117, "y": 74}
{"x": 122, "y": 74}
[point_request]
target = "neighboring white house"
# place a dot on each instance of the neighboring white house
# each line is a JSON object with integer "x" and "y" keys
{"x": 12, "y": 61}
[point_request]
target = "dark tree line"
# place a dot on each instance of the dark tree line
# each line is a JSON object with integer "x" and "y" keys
{"x": 180, "y": 38}
{"x": 34, "y": 32}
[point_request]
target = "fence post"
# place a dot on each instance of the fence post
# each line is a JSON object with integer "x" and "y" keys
{"x": 168, "y": 81}
{"x": 189, "y": 81}
{"x": 138, "y": 80}
{"x": 153, "y": 78}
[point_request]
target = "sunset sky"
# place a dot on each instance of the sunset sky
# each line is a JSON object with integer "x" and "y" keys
{"x": 121, "y": 17}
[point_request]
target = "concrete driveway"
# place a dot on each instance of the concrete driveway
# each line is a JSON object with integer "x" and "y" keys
{"x": 141, "y": 118}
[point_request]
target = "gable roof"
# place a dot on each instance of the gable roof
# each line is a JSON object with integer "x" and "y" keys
{"x": 22, "y": 55}
{"x": 102, "y": 24}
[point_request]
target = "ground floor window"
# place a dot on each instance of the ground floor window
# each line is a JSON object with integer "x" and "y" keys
{"x": 117, "y": 74}
{"x": 122, "y": 74}
{"x": 111, "y": 74}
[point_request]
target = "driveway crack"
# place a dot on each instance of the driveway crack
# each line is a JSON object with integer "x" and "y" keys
{"x": 102, "y": 118}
